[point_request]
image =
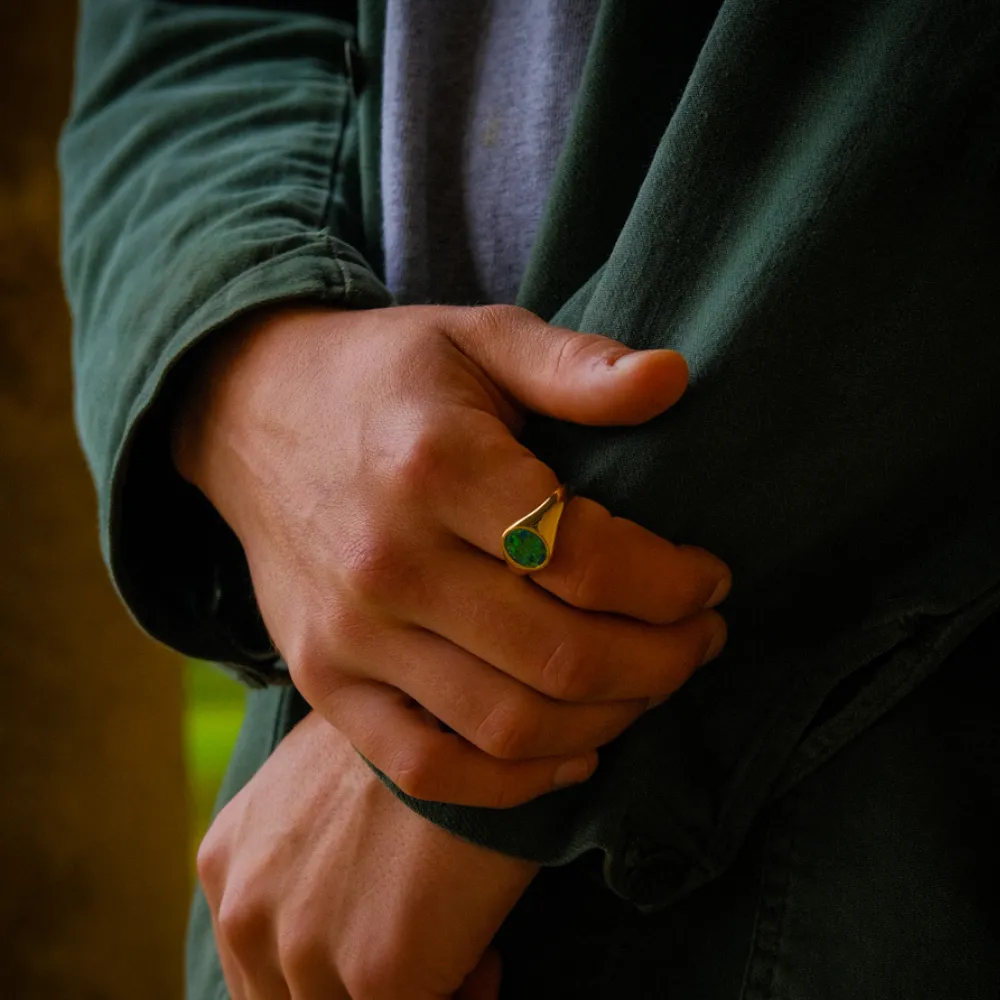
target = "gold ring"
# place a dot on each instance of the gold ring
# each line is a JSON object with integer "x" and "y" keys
{"x": 528, "y": 544}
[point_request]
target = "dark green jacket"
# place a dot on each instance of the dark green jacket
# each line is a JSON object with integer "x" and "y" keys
{"x": 810, "y": 216}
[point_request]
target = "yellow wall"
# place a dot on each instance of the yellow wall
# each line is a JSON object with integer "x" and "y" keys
{"x": 93, "y": 828}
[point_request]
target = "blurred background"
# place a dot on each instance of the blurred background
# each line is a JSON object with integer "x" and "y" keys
{"x": 111, "y": 747}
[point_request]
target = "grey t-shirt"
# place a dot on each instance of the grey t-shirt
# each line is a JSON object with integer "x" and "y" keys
{"x": 477, "y": 98}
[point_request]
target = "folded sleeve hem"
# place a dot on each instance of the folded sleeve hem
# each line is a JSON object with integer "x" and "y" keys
{"x": 176, "y": 564}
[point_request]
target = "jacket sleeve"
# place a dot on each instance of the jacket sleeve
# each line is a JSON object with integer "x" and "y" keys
{"x": 209, "y": 167}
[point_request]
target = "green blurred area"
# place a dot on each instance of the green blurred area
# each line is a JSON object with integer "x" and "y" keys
{"x": 212, "y": 717}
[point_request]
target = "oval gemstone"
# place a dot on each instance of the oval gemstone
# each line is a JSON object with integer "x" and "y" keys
{"x": 525, "y": 548}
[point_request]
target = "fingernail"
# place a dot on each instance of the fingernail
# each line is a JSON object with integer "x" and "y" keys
{"x": 573, "y": 772}
{"x": 720, "y": 593}
{"x": 715, "y": 646}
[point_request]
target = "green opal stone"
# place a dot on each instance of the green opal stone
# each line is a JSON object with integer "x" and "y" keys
{"x": 525, "y": 548}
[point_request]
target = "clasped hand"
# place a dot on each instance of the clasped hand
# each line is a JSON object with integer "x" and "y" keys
{"x": 369, "y": 463}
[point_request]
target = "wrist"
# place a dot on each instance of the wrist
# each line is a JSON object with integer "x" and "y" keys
{"x": 223, "y": 400}
{"x": 190, "y": 415}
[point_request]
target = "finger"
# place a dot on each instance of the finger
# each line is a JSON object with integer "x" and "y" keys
{"x": 601, "y": 563}
{"x": 230, "y": 967}
{"x": 581, "y": 377}
{"x": 610, "y": 564}
{"x": 315, "y": 977}
{"x": 232, "y": 975}
{"x": 483, "y": 983}
{"x": 255, "y": 976}
{"x": 404, "y": 743}
{"x": 560, "y": 651}
{"x": 245, "y": 944}
{"x": 276, "y": 990}
{"x": 213, "y": 866}
{"x": 493, "y": 711}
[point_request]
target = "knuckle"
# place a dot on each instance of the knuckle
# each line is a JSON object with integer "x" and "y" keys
{"x": 423, "y": 460}
{"x": 586, "y": 584}
{"x": 566, "y": 356}
{"x": 508, "y": 731}
{"x": 576, "y": 350}
{"x": 241, "y": 922}
{"x": 413, "y": 771}
{"x": 585, "y": 569}
{"x": 564, "y": 673}
{"x": 371, "y": 566}
{"x": 210, "y": 861}
{"x": 309, "y": 670}
{"x": 312, "y": 663}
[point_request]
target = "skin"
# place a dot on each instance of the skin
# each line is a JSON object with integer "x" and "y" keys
{"x": 323, "y": 885}
{"x": 369, "y": 463}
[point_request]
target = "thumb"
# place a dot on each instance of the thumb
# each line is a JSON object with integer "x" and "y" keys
{"x": 580, "y": 377}
{"x": 483, "y": 983}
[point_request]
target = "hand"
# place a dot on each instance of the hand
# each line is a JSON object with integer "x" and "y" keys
{"x": 323, "y": 885}
{"x": 369, "y": 464}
